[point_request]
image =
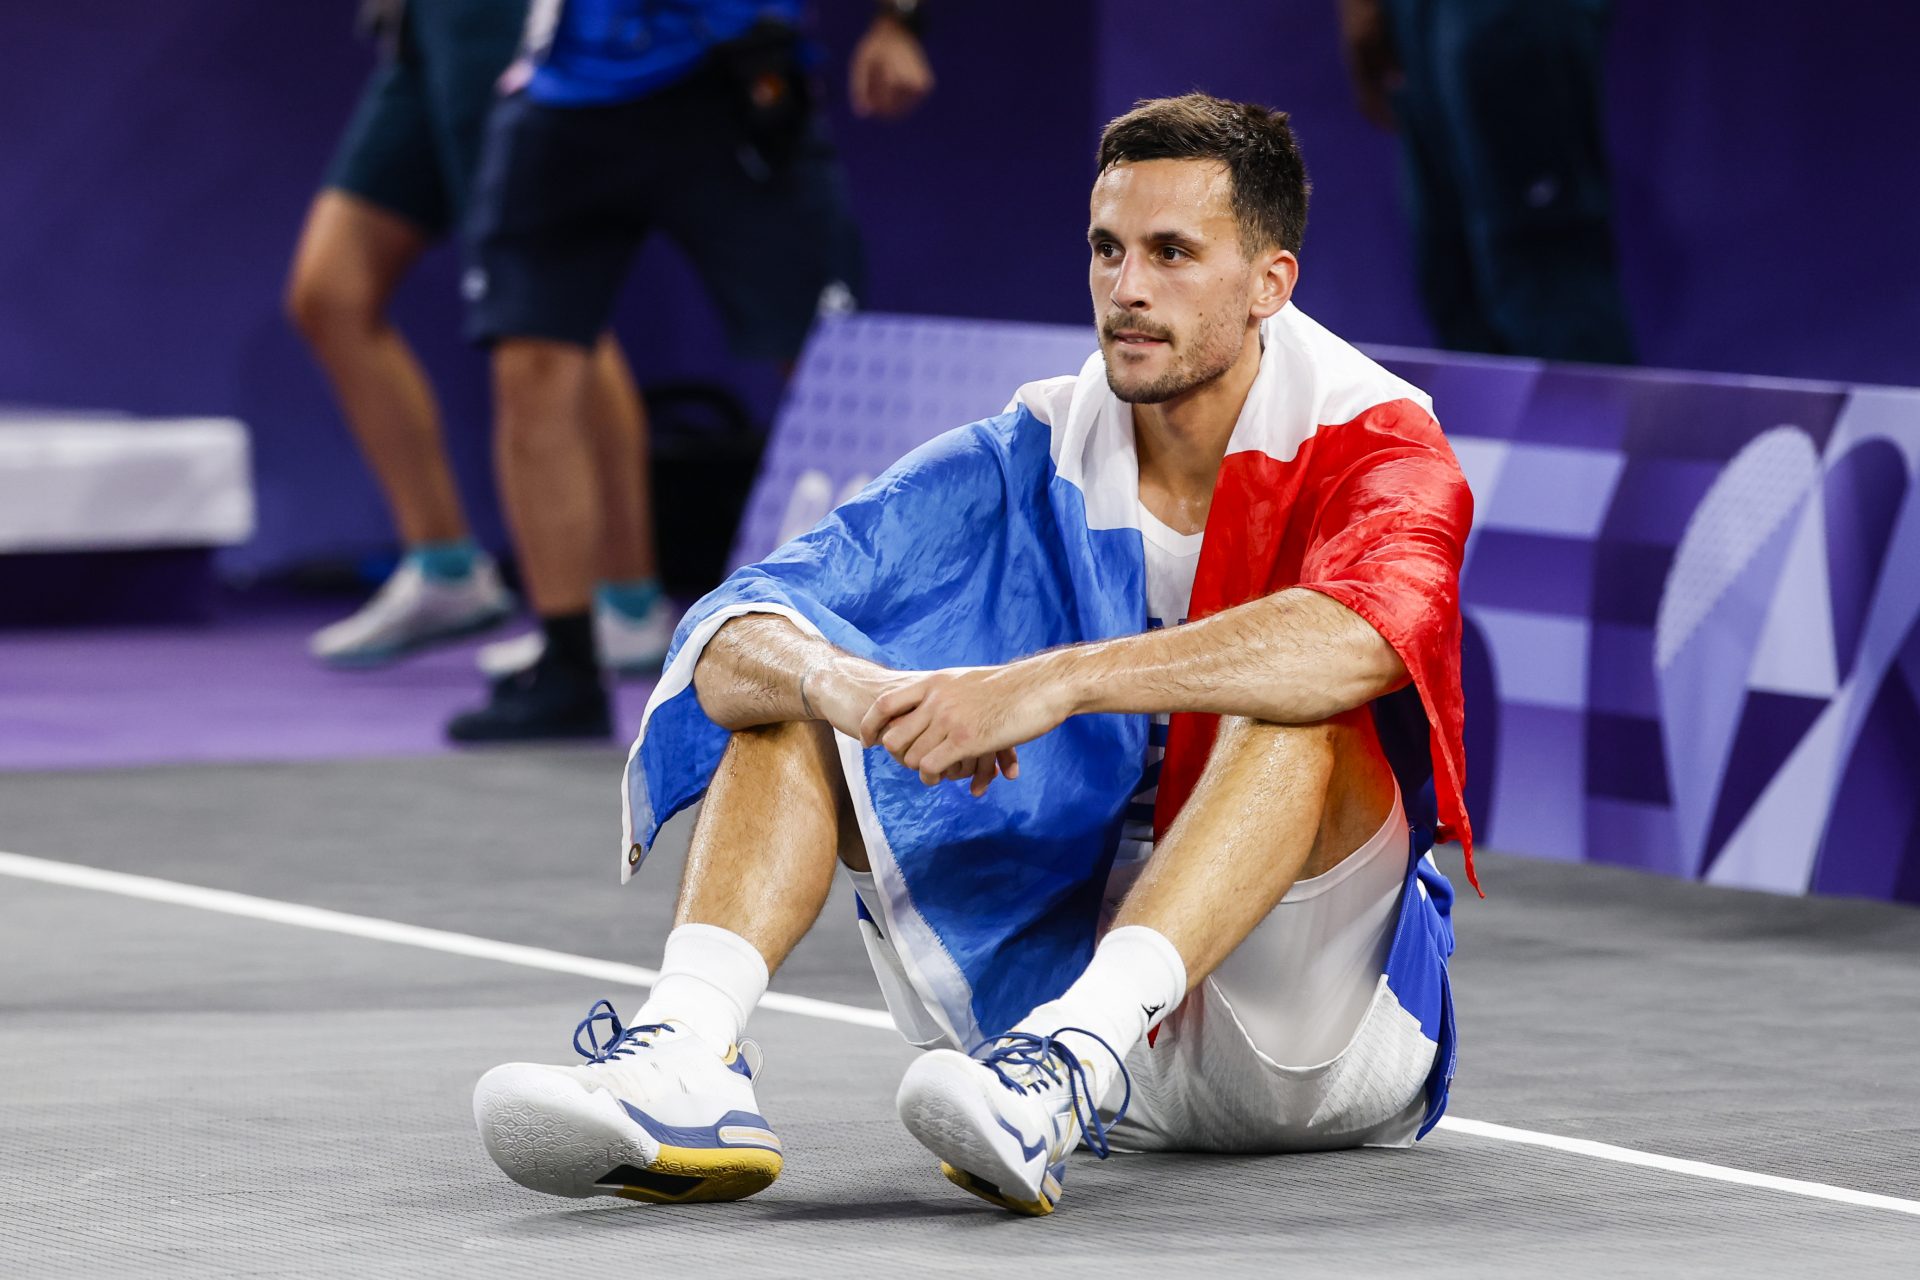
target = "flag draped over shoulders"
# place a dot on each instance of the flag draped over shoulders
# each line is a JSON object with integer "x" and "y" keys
{"x": 1021, "y": 533}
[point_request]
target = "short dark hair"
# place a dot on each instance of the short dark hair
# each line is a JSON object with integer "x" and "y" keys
{"x": 1268, "y": 178}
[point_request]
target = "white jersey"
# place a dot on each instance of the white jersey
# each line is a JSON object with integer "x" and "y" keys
{"x": 1171, "y": 559}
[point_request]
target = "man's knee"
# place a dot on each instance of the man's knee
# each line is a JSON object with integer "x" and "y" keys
{"x": 1243, "y": 737}
{"x": 1330, "y": 756}
{"x": 798, "y": 761}
{"x": 326, "y": 307}
{"x": 537, "y": 393}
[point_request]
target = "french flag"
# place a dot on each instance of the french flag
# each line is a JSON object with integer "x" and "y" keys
{"x": 1021, "y": 533}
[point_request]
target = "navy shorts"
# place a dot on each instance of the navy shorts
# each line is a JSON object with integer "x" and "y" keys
{"x": 566, "y": 194}
{"x": 414, "y": 140}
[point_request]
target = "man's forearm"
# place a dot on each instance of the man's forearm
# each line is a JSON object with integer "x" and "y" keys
{"x": 1294, "y": 657}
{"x": 751, "y": 672}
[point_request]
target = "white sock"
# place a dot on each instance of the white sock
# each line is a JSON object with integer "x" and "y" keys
{"x": 710, "y": 980}
{"x": 1134, "y": 981}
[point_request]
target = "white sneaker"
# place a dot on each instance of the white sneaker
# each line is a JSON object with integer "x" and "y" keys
{"x": 411, "y": 611}
{"x": 654, "y": 1114}
{"x": 1003, "y": 1120}
{"x": 628, "y": 646}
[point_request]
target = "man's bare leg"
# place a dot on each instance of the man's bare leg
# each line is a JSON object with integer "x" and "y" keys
{"x": 351, "y": 257}
{"x": 617, "y": 426}
{"x": 1275, "y": 804}
{"x": 776, "y": 819}
{"x": 667, "y": 1111}
{"x": 546, "y": 466}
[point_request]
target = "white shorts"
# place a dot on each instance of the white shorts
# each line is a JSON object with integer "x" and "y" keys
{"x": 1292, "y": 1044}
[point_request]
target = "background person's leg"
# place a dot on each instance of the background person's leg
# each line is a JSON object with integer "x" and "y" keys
{"x": 617, "y": 427}
{"x": 1430, "y": 190}
{"x": 351, "y": 256}
{"x": 1520, "y": 87}
{"x": 545, "y": 464}
{"x": 546, "y": 468}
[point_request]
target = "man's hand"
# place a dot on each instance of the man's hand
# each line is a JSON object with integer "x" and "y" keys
{"x": 845, "y": 691}
{"x": 967, "y": 720}
{"x": 1372, "y": 61}
{"x": 890, "y": 74}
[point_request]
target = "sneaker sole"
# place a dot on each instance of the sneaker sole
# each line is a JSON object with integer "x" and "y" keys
{"x": 369, "y": 659}
{"x": 941, "y": 1106}
{"x": 549, "y": 1134}
{"x": 1036, "y": 1208}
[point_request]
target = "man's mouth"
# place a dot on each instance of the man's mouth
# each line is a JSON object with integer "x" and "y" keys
{"x": 1135, "y": 338}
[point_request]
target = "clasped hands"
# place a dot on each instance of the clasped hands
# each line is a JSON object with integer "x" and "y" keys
{"x": 948, "y": 725}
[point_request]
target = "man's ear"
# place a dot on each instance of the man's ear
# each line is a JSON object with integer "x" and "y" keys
{"x": 1279, "y": 272}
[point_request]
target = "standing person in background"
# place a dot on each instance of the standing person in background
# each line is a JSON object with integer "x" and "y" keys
{"x": 696, "y": 119}
{"x": 399, "y": 182}
{"x": 1497, "y": 104}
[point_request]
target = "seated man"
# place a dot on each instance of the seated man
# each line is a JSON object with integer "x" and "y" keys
{"x": 1198, "y": 912}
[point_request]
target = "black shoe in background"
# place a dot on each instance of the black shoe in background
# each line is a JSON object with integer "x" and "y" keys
{"x": 551, "y": 699}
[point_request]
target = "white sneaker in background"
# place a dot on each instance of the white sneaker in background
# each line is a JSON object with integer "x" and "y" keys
{"x": 413, "y": 610}
{"x": 627, "y": 646}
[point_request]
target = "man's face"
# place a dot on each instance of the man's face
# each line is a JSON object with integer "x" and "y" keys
{"x": 1173, "y": 288}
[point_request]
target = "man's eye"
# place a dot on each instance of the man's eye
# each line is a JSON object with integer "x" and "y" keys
{"x": 1171, "y": 253}
{"x": 1105, "y": 249}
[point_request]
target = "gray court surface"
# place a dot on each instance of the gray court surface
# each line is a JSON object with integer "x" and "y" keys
{"x": 187, "y": 1093}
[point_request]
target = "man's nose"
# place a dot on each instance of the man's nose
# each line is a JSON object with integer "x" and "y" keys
{"x": 1130, "y": 284}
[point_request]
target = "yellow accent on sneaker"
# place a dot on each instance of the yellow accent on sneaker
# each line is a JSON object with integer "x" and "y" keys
{"x": 1049, "y": 1192}
{"x": 726, "y": 1174}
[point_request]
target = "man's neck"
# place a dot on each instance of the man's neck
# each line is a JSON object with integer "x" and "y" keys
{"x": 1180, "y": 442}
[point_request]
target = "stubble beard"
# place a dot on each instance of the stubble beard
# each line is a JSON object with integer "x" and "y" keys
{"x": 1210, "y": 360}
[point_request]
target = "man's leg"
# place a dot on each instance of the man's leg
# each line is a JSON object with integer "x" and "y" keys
{"x": 1274, "y": 804}
{"x": 758, "y": 871}
{"x": 634, "y": 619}
{"x": 546, "y": 467}
{"x": 665, "y": 1109}
{"x": 352, "y": 254}
{"x": 617, "y": 425}
{"x": 545, "y": 463}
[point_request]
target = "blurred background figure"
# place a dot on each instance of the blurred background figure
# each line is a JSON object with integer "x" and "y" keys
{"x": 399, "y": 181}
{"x": 699, "y": 120}
{"x": 1498, "y": 109}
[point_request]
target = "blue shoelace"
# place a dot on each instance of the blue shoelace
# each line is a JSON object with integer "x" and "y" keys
{"x": 620, "y": 1039}
{"x": 1026, "y": 1051}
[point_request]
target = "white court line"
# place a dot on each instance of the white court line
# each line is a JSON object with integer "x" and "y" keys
{"x": 465, "y": 944}
{"x": 408, "y": 935}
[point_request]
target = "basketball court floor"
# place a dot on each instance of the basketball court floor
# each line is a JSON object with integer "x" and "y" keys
{"x": 242, "y": 1008}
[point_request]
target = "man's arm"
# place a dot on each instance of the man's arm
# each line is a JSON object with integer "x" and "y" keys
{"x": 889, "y": 75}
{"x": 1294, "y": 657}
{"x": 761, "y": 669}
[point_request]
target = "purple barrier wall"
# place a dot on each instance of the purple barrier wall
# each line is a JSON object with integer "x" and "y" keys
{"x": 155, "y": 159}
{"x": 1692, "y": 602}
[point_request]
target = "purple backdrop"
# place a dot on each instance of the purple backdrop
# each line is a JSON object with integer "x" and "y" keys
{"x": 1692, "y": 637}
{"x": 155, "y": 160}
